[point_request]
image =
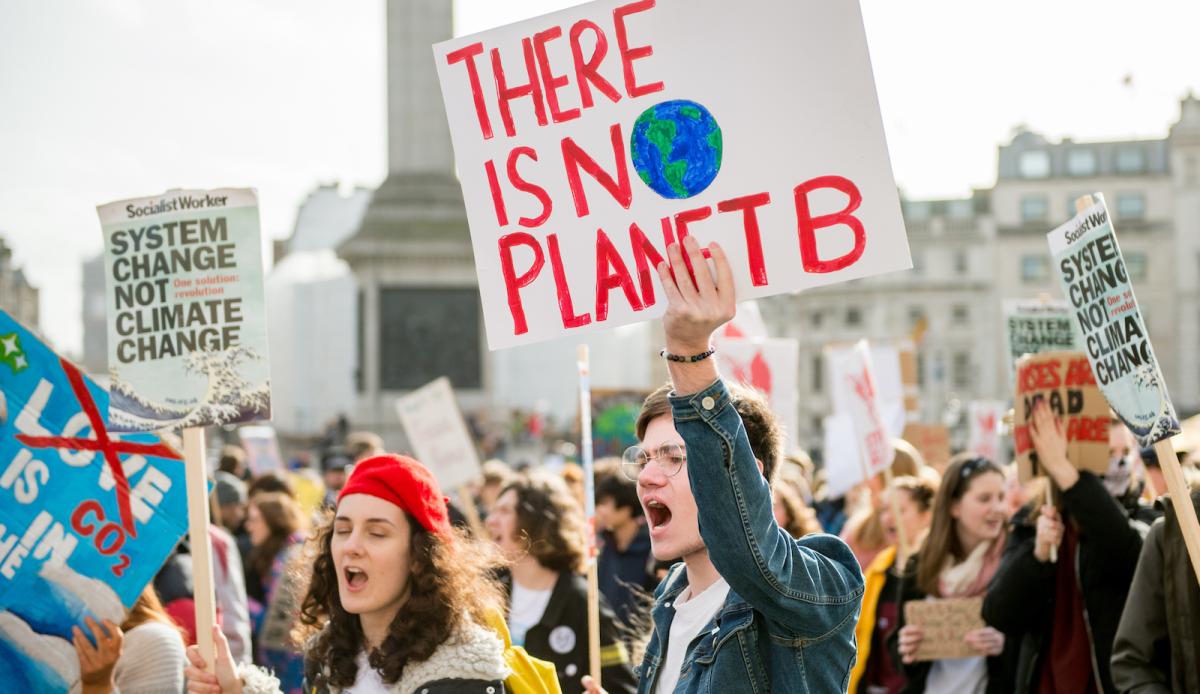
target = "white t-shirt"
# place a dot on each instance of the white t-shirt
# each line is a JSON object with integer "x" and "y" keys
{"x": 368, "y": 680}
{"x": 957, "y": 676}
{"x": 692, "y": 613}
{"x": 527, "y": 609}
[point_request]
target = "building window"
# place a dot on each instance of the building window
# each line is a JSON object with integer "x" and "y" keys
{"x": 818, "y": 373}
{"x": 1135, "y": 266}
{"x": 1034, "y": 164}
{"x": 853, "y": 317}
{"x": 1131, "y": 206}
{"x": 962, "y": 370}
{"x": 918, "y": 261}
{"x": 961, "y": 265}
{"x": 960, "y": 209}
{"x": 920, "y": 371}
{"x": 916, "y": 316}
{"x": 1035, "y": 268}
{"x": 816, "y": 317}
{"x": 1081, "y": 162}
{"x": 1034, "y": 208}
{"x": 959, "y": 315}
{"x": 1130, "y": 160}
{"x": 917, "y": 209}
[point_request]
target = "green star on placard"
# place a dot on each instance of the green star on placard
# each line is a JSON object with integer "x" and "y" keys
{"x": 11, "y": 353}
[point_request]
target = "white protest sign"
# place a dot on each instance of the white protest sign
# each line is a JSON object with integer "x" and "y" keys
{"x": 770, "y": 366}
{"x": 587, "y": 139}
{"x": 438, "y": 434}
{"x": 1109, "y": 325}
{"x": 856, "y": 375}
{"x": 889, "y": 384}
{"x": 986, "y": 417}
{"x": 262, "y": 449}
{"x": 842, "y": 468}
{"x": 748, "y": 322}
{"x": 187, "y": 329}
{"x": 1034, "y": 327}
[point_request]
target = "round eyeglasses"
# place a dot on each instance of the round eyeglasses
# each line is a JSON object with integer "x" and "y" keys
{"x": 670, "y": 458}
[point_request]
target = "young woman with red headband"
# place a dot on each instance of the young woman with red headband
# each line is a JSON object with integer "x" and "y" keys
{"x": 396, "y": 602}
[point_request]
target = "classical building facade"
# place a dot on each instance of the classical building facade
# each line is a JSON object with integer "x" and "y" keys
{"x": 17, "y": 296}
{"x": 969, "y": 255}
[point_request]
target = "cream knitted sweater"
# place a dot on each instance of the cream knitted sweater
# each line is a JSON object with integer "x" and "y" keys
{"x": 152, "y": 661}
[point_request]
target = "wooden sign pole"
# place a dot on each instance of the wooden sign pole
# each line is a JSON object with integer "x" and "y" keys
{"x": 198, "y": 519}
{"x": 589, "y": 527}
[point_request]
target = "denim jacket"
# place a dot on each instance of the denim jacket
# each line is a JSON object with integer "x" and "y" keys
{"x": 788, "y": 622}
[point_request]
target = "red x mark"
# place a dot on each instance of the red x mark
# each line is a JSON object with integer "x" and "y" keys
{"x": 112, "y": 449}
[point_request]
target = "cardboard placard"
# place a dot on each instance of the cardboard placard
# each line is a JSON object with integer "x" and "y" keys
{"x": 1065, "y": 381}
{"x": 86, "y": 517}
{"x": 187, "y": 330}
{"x": 1033, "y": 327}
{"x": 943, "y": 624}
{"x": 588, "y": 139}
{"x": 932, "y": 440}
{"x": 770, "y": 366}
{"x": 438, "y": 434}
{"x": 985, "y": 422}
{"x": 1091, "y": 271}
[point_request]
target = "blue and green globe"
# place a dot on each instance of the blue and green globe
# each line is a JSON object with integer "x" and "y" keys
{"x": 676, "y": 148}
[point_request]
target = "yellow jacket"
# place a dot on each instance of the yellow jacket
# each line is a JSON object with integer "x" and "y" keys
{"x": 874, "y": 577}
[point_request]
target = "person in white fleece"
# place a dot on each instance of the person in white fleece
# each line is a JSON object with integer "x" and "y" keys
{"x": 142, "y": 656}
{"x": 397, "y": 601}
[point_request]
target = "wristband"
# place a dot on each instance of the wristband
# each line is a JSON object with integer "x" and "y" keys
{"x": 688, "y": 359}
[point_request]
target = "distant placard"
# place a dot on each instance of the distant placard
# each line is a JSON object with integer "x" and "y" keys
{"x": 1033, "y": 327}
{"x": 187, "y": 325}
{"x": 1065, "y": 381}
{"x": 614, "y": 420}
{"x": 985, "y": 419}
{"x": 438, "y": 434}
{"x": 588, "y": 139}
{"x": 1109, "y": 325}
{"x": 932, "y": 440}
{"x": 943, "y": 624}
{"x": 768, "y": 365}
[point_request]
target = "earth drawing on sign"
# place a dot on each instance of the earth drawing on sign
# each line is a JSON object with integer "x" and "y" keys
{"x": 676, "y": 148}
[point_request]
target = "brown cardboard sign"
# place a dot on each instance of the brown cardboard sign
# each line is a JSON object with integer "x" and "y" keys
{"x": 932, "y": 440}
{"x": 944, "y": 623}
{"x": 1066, "y": 382}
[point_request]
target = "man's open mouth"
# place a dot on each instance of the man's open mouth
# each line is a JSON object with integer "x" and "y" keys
{"x": 658, "y": 514}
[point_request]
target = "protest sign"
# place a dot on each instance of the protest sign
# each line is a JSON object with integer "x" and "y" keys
{"x": 86, "y": 517}
{"x": 187, "y": 333}
{"x": 985, "y": 419}
{"x": 438, "y": 434}
{"x": 747, "y": 322}
{"x": 1033, "y": 327}
{"x": 262, "y": 449}
{"x": 943, "y": 624}
{"x": 614, "y": 420}
{"x": 1065, "y": 381}
{"x": 588, "y": 139}
{"x": 840, "y": 453}
{"x": 932, "y": 440}
{"x": 769, "y": 366}
{"x": 1109, "y": 325}
{"x": 888, "y": 373}
{"x": 871, "y": 434}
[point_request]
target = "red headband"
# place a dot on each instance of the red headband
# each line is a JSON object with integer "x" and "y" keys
{"x": 406, "y": 483}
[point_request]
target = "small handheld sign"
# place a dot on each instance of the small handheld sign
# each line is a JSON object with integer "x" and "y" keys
{"x": 1108, "y": 322}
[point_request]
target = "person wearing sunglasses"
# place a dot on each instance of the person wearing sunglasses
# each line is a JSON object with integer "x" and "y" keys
{"x": 750, "y": 608}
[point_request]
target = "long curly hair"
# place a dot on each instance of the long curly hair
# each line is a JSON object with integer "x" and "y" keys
{"x": 550, "y": 521}
{"x": 451, "y": 583}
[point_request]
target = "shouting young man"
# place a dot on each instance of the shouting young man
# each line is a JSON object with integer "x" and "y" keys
{"x": 749, "y": 609}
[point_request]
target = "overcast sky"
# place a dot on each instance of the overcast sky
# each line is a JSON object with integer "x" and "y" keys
{"x": 108, "y": 99}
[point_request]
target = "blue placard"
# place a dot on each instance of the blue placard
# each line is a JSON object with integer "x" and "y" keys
{"x": 86, "y": 517}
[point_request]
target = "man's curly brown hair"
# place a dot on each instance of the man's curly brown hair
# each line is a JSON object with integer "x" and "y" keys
{"x": 550, "y": 521}
{"x": 451, "y": 583}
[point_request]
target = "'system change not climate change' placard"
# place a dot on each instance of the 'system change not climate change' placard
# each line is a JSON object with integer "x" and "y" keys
{"x": 187, "y": 336}
{"x": 1109, "y": 325}
{"x": 588, "y": 139}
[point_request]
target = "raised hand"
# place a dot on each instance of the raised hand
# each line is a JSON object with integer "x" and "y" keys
{"x": 695, "y": 309}
{"x": 1050, "y": 442}
{"x": 96, "y": 663}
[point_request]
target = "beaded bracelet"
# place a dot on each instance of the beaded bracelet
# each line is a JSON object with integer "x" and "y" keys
{"x": 688, "y": 360}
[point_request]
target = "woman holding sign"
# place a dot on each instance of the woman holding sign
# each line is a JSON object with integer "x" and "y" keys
{"x": 1065, "y": 613}
{"x": 397, "y": 601}
{"x": 957, "y": 560}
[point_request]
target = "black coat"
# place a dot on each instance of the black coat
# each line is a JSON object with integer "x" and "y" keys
{"x": 999, "y": 668}
{"x": 560, "y": 637}
{"x": 1020, "y": 599}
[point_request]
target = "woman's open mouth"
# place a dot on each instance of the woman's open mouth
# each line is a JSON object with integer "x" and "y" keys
{"x": 356, "y": 578}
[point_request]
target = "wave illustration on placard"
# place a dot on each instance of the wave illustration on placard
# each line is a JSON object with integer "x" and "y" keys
{"x": 228, "y": 396}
